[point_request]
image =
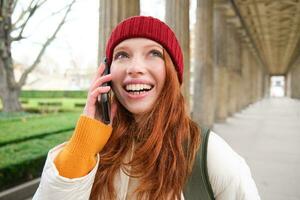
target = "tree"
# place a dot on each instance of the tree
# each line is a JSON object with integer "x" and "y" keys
{"x": 10, "y": 88}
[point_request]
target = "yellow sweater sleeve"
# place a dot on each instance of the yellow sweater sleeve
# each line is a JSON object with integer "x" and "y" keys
{"x": 78, "y": 157}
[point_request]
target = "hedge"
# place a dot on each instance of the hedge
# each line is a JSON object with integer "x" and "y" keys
{"x": 53, "y": 94}
{"x": 5, "y": 116}
{"x": 24, "y": 161}
{"x": 54, "y": 105}
{"x": 23, "y": 129}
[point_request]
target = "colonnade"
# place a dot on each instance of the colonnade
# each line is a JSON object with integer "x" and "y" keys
{"x": 228, "y": 75}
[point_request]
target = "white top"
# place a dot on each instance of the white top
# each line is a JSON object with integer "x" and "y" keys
{"x": 228, "y": 173}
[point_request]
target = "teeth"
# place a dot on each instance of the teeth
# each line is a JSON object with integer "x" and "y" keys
{"x": 137, "y": 87}
{"x": 131, "y": 87}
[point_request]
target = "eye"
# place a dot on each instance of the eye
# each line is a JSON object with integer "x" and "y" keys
{"x": 156, "y": 53}
{"x": 121, "y": 55}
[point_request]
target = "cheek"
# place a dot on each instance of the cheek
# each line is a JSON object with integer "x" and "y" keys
{"x": 115, "y": 73}
{"x": 161, "y": 75}
{"x": 112, "y": 69}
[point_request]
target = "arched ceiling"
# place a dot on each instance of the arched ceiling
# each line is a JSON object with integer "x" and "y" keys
{"x": 274, "y": 28}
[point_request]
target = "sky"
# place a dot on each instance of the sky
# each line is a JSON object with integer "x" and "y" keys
{"x": 76, "y": 45}
{"x": 76, "y": 41}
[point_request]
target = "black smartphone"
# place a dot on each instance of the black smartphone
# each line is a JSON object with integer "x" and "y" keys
{"x": 105, "y": 98}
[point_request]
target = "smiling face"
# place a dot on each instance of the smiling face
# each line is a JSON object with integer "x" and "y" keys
{"x": 138, "y": 73}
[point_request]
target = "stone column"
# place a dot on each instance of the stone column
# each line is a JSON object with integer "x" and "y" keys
{"x": 249, "y": 76}
{"x": 203, "y": 109}
{"x": 111, "y": 12}
{"x": 294, "y": 80}
{"x": 288, "y": 84}
{"x": 255, "y": 80}
{"x": 231, "y": 62}
{"x": 238, "y": 73}
{"x": 267, "y": 85}
{"x": 259, "y": 81}
{"x": 177, "y": 17}
{"x": 285, "y": 85}
{"x": 244, "y": 76}
{"x": 128, "y": 8}
{"x": 220, "y": 70}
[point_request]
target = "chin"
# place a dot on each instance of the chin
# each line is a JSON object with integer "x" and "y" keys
{"x": 137, "y": 110}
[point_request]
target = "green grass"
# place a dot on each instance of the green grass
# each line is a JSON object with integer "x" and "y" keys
{"x": 24, "y": 161}
{"x": 15, "y": 116}
{"x": 26, "y": 137}
{"x": 54, "y": 93}
{"x": 28, "y": 150}
{"x": 67, "y": 103}
{"x": 38, "y": 125}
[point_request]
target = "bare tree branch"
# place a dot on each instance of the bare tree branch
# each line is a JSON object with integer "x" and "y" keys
{"x": 22, "y": 15}
{"x": 14, "y": 5}
{"x": 22, "y": 27}
{"x": 20, "y": 36}
{"x": 59, "y": 11}
{"x": 48, "y": 42}
{"x": 30, "y": 10}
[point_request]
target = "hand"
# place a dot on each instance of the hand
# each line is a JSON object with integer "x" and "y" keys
{"x": 95, "y": 90}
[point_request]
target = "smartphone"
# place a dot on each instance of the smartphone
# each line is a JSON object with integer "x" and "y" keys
{"x": 105, "y": 98}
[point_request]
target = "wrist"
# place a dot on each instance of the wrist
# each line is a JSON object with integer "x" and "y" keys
{"x": 89, "y": 137}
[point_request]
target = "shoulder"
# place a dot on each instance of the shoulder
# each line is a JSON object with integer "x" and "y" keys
{"x": 228, "y": 172}
{"x": 222, "y": 163}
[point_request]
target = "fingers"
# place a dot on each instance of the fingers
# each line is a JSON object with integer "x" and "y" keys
{"x": 99, "y": 72}
{"x": 98, "y": 82}
{"x": 96, "y": 92}
{"x": 96, "y": 89}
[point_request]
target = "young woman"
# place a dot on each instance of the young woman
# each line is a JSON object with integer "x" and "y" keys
{"x": 149, "y": 150}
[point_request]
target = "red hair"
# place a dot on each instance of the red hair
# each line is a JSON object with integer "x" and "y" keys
{"x": 162, "y": 133}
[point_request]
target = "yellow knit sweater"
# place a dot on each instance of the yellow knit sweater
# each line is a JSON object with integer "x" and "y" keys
{"x": 78, "y": 157}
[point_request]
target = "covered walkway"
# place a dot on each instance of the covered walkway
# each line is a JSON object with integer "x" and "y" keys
{"x": 267, "y": 135}
{"x": 231, "y": 53}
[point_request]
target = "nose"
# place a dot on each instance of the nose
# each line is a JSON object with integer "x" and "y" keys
{"x": 136, "y": 67}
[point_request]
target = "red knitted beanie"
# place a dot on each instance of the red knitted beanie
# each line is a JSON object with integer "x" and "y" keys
{"x": 151, "y": 28}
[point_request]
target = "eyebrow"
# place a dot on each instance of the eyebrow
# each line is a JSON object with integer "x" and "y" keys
{"x": 124, "y": 47}
{"x": 120, "y": 48}
{"x": 154, "y": 45}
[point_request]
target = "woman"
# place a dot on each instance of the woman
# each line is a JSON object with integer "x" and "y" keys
{"x": 148, "y": 152}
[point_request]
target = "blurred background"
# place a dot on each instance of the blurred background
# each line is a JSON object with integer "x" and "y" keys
{"x": 241, "y": 79}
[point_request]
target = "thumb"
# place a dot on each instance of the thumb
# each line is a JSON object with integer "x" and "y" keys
{"x": 113, "y": 111}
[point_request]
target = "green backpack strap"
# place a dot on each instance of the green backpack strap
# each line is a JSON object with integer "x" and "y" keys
{"x": 198, "y": 186}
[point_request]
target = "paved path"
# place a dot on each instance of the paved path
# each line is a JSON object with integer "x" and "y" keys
{"x": 267, "y": 135}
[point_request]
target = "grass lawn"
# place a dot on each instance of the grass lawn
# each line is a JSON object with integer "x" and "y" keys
{"x": 4, "y": 117}
{"x": 24, "y": 161}
{"x": 27, "y": 150}
{"x": 68, "y": 104}
{"x": 36, "y": 125}
{"x": 26, "y": 137}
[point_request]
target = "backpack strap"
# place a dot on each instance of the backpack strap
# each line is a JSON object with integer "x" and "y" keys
{"x": 198, "y": 185}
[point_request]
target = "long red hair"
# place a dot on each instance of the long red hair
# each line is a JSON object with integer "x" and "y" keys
{"x": 162, "y": 160}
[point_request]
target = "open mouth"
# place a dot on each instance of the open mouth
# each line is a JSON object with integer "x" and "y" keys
{"x": 137, "y": 89}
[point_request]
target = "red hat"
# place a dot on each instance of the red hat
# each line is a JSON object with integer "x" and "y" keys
{"x": 151, "y": 28}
